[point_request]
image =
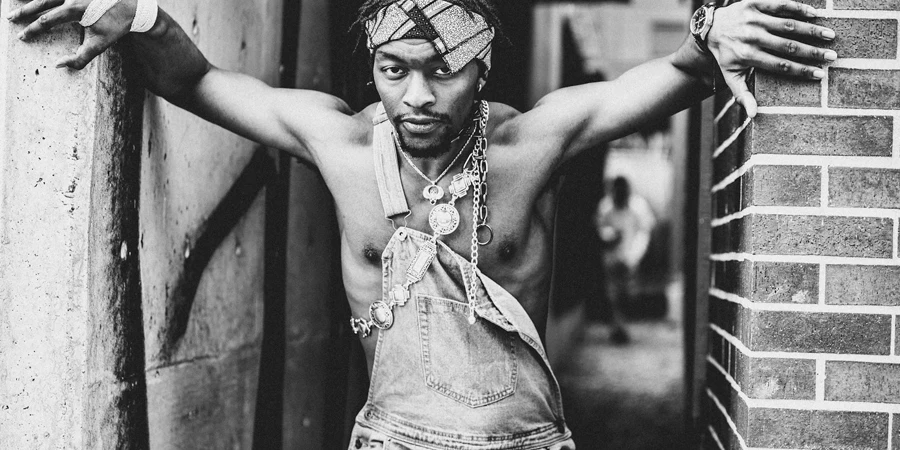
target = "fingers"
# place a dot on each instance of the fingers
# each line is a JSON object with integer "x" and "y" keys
{"x": 48, "y": 20}
{"x": 85, "y": 54}
{"x": 738, "y": 85}
{"x": 32, "y": 9}
{"x": 785, "y": 8}
{"x": 775, "y": 64}
{"x": 795, "y": 50}
{"x": 781, "y": 25}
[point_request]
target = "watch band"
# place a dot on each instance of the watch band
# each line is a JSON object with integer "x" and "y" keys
{"x": 701, "y": 23}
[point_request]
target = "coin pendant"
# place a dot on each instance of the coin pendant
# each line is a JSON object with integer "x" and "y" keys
{"x": 444, "y": 219}
{"x": 381, "y": 315}
{"x": 433, "y": 193}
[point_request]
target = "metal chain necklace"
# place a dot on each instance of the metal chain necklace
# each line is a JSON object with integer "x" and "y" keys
{"x": 479, "y": 208}
{"x": 432, "y": 192}
{"x": 444, "y": 220}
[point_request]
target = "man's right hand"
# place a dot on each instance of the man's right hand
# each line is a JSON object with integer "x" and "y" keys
{"x": 43, "y": 15}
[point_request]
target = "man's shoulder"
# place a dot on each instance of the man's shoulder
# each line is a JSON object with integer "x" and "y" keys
{"x": 356, "y": 128}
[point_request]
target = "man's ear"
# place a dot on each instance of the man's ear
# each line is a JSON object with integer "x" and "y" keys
{"x": 481, "y": 82}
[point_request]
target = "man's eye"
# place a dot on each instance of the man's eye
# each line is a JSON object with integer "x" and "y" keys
{"x": 394, "y": 71}
{"x": 443, "y": 71}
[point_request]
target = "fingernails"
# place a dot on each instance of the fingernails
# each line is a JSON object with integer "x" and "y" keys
{"x": 830, "y": 55}
{"x": 21, "y": 36}
{"x": 12, "y": 14}
{"x": 818, "y": 74}
{"x": 828, "y": 33}
{"x": 811, "y": 12}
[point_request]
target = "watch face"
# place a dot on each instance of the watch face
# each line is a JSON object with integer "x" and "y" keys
{"x": 698, "y": 20}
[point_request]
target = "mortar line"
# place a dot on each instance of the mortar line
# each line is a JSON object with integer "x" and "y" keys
{"x": 805, "y": 259}
{"x": 898, "y": 34}
{"x": 866, "y": 162}
{"x": 733, "y": 176}
{"x": 859, "y": 14}
{"x": 857, "y": 162}
{"x": 864, "y": 63}
{"x": 890, "y": 442}
{"x": 826, "y": 189}
{"x": 829, "y": 5}
{"x": 805, "y": 405}
{"x": 712, "y": 432}
{"x": 725, "y": 109}
{"x": 877, "y": 359}
{"x": 810, "y": 211}
{"x": 820, "y": 379}
{"x": 728, "y": 418}
{"x": 803, "y": 308}
{"x": 893, "y": 335}
{"x": 896, "y": 147}
{"x": 802, "y": 405}
{"x": 814, "y": 405}
{"x": 734, "y": 136}
{"x": 896, "y": 237}
{"x": 818, "y": 110}
{"x": 822, "y": 281}
{"x": 823, "y": 89}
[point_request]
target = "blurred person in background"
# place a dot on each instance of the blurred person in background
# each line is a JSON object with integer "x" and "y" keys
{"x": 624, "y": 221}
{"x": 447, "y": 280}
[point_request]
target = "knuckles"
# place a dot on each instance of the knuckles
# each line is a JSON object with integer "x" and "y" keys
{"x": 791, "y": 48}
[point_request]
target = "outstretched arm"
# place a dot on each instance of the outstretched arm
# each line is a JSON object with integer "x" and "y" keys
{"x": 763, "y": 34}
{"x": 288, "y": 119}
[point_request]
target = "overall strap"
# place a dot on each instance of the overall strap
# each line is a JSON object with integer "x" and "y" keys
{"x": 387, "y": 168}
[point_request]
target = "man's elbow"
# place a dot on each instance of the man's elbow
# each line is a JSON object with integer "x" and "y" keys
{"x": 183, "y": 91}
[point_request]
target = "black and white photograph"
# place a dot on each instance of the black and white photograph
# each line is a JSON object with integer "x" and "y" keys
{"x": 449, "y": 224}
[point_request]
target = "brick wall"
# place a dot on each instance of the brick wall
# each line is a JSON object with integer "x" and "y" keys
{"x": 806, "y": 276}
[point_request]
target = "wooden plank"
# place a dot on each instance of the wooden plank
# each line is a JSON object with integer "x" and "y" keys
{"x": 204, "y": 403}
{"x": 202, "y": 394}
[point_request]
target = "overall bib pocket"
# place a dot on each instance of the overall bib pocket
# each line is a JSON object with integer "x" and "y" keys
{"x": 475, "y": 365}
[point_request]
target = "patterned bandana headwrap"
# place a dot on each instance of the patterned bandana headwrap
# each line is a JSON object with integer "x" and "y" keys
{"x": 459, "y": 36}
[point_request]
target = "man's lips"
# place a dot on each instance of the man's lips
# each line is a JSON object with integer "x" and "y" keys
{"x": 420, "y": 125}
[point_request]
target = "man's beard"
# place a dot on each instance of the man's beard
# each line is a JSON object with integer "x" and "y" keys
{"x": 427, "y": 148}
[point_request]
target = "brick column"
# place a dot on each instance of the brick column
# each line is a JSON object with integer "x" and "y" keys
{"x": 806, "y": 282}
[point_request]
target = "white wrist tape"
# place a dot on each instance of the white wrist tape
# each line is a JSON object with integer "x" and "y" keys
{"x": 145, "y": 16}
{"x": 95, "y": 10}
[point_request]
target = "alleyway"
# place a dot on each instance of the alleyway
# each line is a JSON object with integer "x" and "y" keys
{"x": 626, "y": 397}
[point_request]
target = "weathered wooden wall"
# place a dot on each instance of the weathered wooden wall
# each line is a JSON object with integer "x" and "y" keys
{"x": 203, "y": 242}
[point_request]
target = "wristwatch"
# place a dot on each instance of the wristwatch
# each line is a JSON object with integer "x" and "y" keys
{"x": 701, "y": 23}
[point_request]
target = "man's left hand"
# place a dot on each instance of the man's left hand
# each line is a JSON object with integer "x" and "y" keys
{"x": 767, "y": 34}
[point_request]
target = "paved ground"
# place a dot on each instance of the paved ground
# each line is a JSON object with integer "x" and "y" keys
{"x": 627, "y": 397}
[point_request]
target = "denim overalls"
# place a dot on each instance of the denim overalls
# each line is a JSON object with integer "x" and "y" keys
{"x": 437, "y": 381}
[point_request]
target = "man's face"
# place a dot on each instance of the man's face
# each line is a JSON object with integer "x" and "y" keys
{"x": 427, "y": 103}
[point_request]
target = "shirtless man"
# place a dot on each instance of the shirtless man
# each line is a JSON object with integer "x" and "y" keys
{"x": 453, "y": 348}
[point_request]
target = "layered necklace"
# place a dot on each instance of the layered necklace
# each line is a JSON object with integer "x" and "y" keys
{"x": 433, "y": 193}
{"x": 444, "y": 219}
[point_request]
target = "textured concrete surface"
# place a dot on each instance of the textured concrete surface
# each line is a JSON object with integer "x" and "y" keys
{"x": 71, "y": 360}
{"x": 626, "y": 397}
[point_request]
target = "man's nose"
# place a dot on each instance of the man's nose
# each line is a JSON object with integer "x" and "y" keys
{"x": 418, "y": 92}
